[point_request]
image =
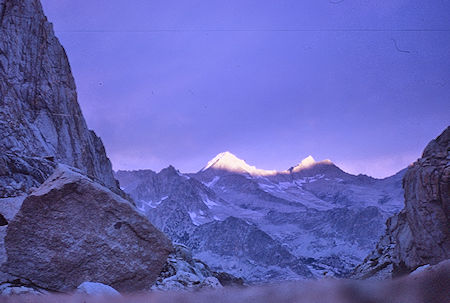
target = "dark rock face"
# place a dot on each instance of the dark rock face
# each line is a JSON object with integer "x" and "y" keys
{"x": 18, "y": 174}
{"x": 72, "y": 229}
{"x": 227, "y": 279}
{"x": 420, "y": 233}
{"x": 40, "y": 119}
{"x": 9, "y": 208}
{"x": 173, "y": 219}
{"x": 168, "y": 198}
{"x": 244, "y": 243}
{"x": 183, "y": 272}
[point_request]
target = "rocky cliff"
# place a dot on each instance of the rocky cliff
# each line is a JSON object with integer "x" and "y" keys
{"x": 420, "y": 233}
{"x": 61, "y": 220}
{"x": 40, "y": 120}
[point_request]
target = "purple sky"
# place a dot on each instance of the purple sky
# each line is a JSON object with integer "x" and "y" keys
{"x": 364, "y": 83}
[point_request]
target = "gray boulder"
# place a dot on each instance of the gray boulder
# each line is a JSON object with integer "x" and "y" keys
{"x": 72, "y": 229}
{"x": 9, "y": 208}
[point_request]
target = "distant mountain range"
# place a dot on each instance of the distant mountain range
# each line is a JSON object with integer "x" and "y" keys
{"x": 312, "y": 219}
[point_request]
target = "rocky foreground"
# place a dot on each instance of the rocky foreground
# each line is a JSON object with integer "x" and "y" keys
{"x": 429, "y": 285}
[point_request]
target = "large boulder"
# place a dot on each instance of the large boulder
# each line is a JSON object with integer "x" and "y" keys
{"x": 9, "y": 208}
{"x": 72, "y": 229}
{"x": 420, "y": 233}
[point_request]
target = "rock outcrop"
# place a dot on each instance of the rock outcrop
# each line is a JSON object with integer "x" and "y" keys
{"x": 243, "y": 250}
{"x": 183, "y": 272}
{"x": 420, "y": 233}
{"x": 40, "y": 120}
{"x": 72, "y": 229}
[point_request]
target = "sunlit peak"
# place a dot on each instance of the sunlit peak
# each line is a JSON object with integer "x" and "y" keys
{"x": 229, "y": 162}
{"x": 308, "y": 161}
{"x": 305, "y": 163}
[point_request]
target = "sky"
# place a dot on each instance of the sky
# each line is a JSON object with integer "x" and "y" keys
{"x": 364, "y": 83}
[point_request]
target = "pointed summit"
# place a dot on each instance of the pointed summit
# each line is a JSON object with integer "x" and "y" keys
{"x": 307, "y": 163}
{"x": 169, "y": 170}
{"x": 226, "y": 161}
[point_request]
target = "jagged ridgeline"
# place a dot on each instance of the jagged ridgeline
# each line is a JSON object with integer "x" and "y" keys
{"x": 310, "y": 220}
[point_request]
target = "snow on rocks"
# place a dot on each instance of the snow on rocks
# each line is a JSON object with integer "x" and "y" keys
{"x": 15, "y": 289}
{"x": 183, "y": 272}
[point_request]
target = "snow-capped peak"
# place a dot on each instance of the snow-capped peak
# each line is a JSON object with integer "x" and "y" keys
{"x": 229, "y": 162}
{"x": 308, "y": 162}
{"x": 305, "y": 163}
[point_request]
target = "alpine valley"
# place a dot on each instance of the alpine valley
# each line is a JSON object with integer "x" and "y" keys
{"x": 71, "y": 227}
{"x": 310, "y": 220}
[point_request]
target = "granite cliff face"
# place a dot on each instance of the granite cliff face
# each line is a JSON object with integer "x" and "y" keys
{"x": 40, "y": 120}
{"x": 420, "y": 233}
{"x": 61, "y": 220}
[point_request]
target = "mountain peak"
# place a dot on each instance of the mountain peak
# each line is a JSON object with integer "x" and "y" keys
{"x": 305, "y": 163}
{"x": 308, "y": 162}
{"x": 170, "y": 172}
{"x": 227, "y": 161}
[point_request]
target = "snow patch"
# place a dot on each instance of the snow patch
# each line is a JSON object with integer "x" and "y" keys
{"x": 194, "y": 218}
{"x": 212, "y": 182}
{"x": 209, "y": 203}
{"x": 151, "y": 204}
{"x": 182, "y": 175}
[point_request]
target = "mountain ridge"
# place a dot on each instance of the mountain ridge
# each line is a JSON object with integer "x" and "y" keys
{"x": 325, "y": 218}
{"x": 307, "y": 163}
